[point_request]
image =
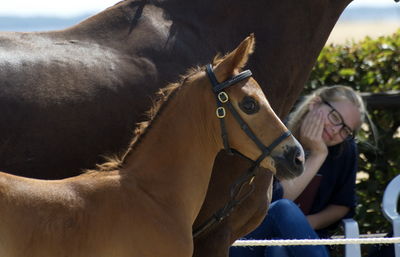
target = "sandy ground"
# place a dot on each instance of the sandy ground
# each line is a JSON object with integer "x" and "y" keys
{"x": 347, "y": 31}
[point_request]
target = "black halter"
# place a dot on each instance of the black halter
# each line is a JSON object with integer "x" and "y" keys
{"x": 223, "y": 99}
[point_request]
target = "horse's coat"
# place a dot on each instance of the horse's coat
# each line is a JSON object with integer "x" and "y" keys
{"x": 147, "y": 203}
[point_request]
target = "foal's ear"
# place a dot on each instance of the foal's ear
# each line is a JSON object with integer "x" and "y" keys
{"x": 234, "y": 61}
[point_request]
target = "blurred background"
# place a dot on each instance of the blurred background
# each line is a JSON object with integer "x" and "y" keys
{"x": 362, "y": 18}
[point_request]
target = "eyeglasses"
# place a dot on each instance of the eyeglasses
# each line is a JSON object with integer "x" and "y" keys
{"x": 345, "y": 132}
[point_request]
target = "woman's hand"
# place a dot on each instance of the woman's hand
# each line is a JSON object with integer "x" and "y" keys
{"x": 311, "y": 131}
{"x": 311, "y": 139}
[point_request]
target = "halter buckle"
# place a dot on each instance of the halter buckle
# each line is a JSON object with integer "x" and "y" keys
{"x": 223, "y": 97}
{"x": 221, "y": 113}
{"x": 251, "y": 180}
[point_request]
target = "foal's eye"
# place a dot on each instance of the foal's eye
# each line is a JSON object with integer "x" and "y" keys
{"x": 249, "y": 105}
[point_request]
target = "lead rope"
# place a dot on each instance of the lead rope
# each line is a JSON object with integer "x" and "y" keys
{"x": 233, "y": 202}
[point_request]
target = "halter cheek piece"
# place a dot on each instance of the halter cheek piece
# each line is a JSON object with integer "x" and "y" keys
{"x": 222, "y": 99}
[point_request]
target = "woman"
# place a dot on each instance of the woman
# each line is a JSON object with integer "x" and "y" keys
{"x": 325, "y": 124}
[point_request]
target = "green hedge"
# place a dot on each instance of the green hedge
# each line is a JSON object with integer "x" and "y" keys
{"x": 368, "y": 66}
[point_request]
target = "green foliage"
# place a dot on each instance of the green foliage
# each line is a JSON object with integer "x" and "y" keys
{"x": 368, "y": 66}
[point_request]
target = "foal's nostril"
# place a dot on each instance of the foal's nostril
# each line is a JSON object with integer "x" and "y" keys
{"x": 298, "y": 162}
{"x": 299, "y": 157}
{"x": 291, "y": 164}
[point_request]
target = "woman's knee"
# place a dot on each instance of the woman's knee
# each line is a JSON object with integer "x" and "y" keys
{"x": 284, "y": 209}
{"x": 283, "y": 205}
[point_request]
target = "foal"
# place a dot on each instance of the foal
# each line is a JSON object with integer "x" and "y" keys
{"x": 145, "y": 204}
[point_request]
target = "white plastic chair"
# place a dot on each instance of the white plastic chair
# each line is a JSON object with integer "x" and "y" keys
{"x": 389, "y": 208}
{"x": 351, "y": 231}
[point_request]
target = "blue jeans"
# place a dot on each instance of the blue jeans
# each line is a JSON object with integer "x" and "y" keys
{"x": 284, "y": 221}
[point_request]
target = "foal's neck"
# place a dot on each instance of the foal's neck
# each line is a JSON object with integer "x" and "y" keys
{"x": 174, "y": 159}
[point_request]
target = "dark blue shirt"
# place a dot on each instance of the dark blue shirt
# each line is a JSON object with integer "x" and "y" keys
{"x": 338, "y": 179}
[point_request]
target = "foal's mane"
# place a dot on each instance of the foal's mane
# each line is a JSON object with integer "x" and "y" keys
{"x": 162, "y": 97}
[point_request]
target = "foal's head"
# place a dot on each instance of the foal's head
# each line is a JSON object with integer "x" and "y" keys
{"x": 267, "y": 140}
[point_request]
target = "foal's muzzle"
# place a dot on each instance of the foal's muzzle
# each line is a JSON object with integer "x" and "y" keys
{"x": 291, "y": 163}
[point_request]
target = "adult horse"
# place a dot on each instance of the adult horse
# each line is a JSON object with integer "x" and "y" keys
{"x": 145, "y": 204}
{"x": 69, "y": 96}
{"x": 76, "y": 85}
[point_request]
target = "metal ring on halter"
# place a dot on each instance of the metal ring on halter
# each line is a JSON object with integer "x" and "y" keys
{"x": 223, "y": 97}
{"x": 221, "y": 113}
{"x": 251, "y": 180}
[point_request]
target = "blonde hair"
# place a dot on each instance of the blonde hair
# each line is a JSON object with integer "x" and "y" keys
{"x": 330, "y": 94}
